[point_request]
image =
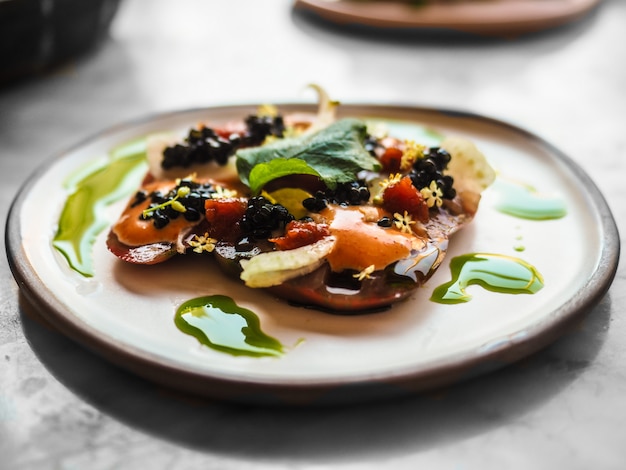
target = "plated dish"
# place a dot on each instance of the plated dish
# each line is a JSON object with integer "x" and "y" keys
{"x": 145, "y": 318}
{"x": 500, "y": 18}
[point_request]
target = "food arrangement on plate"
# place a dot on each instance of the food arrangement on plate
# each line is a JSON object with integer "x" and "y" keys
{"x": 325, "y": 212}
{"x": 222, "y": 223}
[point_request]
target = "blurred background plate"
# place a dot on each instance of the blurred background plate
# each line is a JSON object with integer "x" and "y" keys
{"x": 504, "y": 18}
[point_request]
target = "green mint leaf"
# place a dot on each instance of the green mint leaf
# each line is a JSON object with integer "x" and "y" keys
{"x": 263, "y": 173}
{"x": 335, "y": 153}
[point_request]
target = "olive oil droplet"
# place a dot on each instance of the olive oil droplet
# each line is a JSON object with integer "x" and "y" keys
{"x": 218, "y": 322}
{"x": 92, "y": 189}
{"x": 497, "y": 273}
{"x": 523, "y": 201}
{"x": 519, "y": 247}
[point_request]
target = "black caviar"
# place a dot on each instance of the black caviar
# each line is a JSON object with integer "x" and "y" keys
{"x": 205, "y": 145}
{"x": 189, "y": 194}
{"x": 262, "y": 217}
{"x": 385, "y": 222}
{"x": 430, "y": 168}
{"x": 371, "y": 144}
{"x": 259, "y": 127}
{"x": 201, "y": 146}
{"x": 353, "y": 193}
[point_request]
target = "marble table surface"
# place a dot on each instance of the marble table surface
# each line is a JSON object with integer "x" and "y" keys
{"x": 64, "y": 408}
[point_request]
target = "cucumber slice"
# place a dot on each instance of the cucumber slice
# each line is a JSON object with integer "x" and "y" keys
{"x": 275, "y": 267}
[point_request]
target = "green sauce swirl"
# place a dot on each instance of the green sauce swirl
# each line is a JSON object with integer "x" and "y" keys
{"x": 497, "y": 273}
{"x": 218, "y": 322}
{"x": 91, "y": 190}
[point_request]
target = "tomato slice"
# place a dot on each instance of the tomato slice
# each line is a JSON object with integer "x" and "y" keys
{"x": 391, "y": 159}
{"x": 224, "y": 216}
{"x": 403, "y": 196}
{"x": 299, "y": 233}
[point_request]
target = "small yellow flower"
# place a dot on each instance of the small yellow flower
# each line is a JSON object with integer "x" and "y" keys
{"x": 202, "y": 243}
{"x": 223, "y": 193}
{"x": 432, "y": 195}
{"x": 365, "y": 274}
{"x": 403, "y": 222}
{"x": 412, "y": 152}
{"x": 393, "y": 179}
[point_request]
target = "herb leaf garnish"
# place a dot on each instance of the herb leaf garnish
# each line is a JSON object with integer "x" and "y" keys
{"x": 335, "y": 154}
{"x": 263, "y": 173}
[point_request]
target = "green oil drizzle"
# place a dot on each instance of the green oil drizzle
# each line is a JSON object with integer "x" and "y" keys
{"x": 524, "y": 201}
{"x": 497, "y": 273}
{"x": 219, "y": 323}
{"x": 519, "y": 248}
{"x": 91, "y": 189}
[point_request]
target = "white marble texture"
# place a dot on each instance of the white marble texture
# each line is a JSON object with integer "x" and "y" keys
{"x": 63, "y": 408}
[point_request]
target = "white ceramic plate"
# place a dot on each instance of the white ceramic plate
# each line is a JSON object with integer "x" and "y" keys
{"x": 125, "y": 313}
{"x": 502, "y": 18}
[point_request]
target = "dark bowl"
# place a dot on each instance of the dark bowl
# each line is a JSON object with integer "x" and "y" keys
{"x": 36, "y": 35}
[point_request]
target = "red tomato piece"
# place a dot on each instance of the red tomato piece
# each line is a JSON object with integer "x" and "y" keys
{"x": 223, "y": 216}
{"x": 298, "y": 233}
{"x": 403, "y": 196}
{"x": 391, "y": 159}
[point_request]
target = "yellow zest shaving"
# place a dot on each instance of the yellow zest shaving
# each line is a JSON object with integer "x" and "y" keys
{"x": 365, "y": 274}
{"x": 223, "y": 193}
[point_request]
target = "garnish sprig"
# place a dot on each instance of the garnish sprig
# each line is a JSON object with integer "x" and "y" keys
{"x": 181, "y": 192}
{"x": 365, "y": 274}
